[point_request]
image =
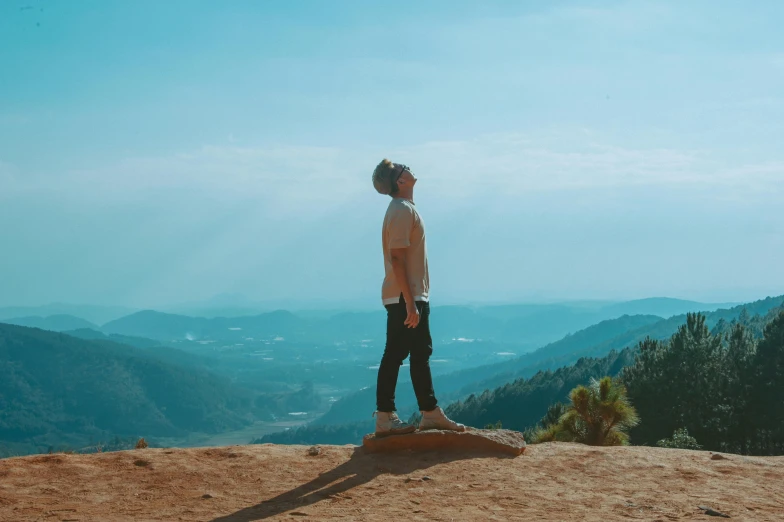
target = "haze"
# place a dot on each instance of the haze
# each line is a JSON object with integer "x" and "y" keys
{"x": 159, "y": 153}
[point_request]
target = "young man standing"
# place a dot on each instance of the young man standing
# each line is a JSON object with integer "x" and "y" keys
{"x": 405, "y": 293}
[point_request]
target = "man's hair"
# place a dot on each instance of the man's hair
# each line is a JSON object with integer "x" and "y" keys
{"x": 382, "y": 178}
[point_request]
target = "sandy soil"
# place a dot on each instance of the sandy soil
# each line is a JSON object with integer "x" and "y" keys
{"x": 244, "y": 483}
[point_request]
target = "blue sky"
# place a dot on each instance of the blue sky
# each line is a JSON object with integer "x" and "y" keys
{"x": 162, "y": 152}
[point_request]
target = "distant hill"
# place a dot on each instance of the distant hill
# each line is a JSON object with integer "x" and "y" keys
{"x": 663, "y": 306}
{"x": 664, "y": 329}
{"x": 55, "y": 388}
{"x": 167, "y": 327}
{"x": 56, "y": 323}
{"x": 527, "y": 326}
{"x": 528, "y": 364}
{"x": 93, "y": 313}
{"x": 153, "y": 349}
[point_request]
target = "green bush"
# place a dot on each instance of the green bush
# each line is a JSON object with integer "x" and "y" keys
{"x": 681, "y": 440}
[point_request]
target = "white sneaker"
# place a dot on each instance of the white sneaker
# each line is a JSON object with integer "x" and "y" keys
{"x": 437, "y": 420}
{"x": 388, "y": 423}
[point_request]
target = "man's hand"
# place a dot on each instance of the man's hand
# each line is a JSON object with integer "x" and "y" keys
{"x": 412, "y": 318}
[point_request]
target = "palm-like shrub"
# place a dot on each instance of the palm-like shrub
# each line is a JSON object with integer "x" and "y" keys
{"x": 599, "y": 415}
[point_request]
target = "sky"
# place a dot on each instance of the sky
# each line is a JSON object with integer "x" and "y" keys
{"x": 155, "y": 153}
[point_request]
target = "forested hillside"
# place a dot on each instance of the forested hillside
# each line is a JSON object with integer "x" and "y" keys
{"x": 595, "y": 341}
{"x": 520, "y": 404}
{"x": 92, "y": 334}
{"x": 58, "y": 389}
{"x": 725, "y": 386}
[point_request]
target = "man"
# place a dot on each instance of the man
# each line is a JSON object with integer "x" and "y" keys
{"x": 405, "y": 294}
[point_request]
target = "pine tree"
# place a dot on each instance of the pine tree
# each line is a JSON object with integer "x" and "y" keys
{"x": 768, "y": 405}
{"x": 677, "y": 384}
{"x": 599, "y": 415}
{"x": 736, "y": 388}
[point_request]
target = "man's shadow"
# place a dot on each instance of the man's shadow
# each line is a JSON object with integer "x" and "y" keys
{"x": 360, "y": 469}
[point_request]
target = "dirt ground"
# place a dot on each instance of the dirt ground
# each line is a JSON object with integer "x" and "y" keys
{"x": 245, "y": 483}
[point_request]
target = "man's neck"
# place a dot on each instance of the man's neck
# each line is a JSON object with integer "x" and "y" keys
{"x": 409, "y": 196}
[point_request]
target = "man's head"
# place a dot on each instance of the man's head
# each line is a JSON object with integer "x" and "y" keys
{"x": 393, "y": 179}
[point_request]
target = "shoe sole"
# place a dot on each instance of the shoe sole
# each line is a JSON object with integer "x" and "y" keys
{"x": 402, "y": 431}
{"x": 461, "y": 430}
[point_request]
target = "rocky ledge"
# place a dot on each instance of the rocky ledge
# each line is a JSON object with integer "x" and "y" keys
{"x": 507, "y": 442}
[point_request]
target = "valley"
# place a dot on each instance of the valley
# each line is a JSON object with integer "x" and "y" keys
{"x": 278, "y": 372}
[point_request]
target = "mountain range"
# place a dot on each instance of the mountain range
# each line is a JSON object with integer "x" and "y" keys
{"x": 528, "y": 326}
{"x": 123, "y": 378}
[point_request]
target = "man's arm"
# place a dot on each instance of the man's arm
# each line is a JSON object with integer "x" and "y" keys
{"x": 398, "y": 258}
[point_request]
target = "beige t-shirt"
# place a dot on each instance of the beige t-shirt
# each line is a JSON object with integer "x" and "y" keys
{"x": 404, "y": 228}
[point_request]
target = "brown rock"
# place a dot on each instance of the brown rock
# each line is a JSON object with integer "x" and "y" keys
{"x": 718, "y": 456}
{"x": 494, "y": 441}
{"x": 314, "y": 450}
{"x": 712, "y": 512}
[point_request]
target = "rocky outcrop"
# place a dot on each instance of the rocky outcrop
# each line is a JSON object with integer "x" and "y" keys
{"x": 474, "y": 440}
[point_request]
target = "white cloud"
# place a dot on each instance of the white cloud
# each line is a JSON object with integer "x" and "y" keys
{"x": 516, "y": 164}
{"x": 292, "y": 178}
{"x": 276, "y": 176}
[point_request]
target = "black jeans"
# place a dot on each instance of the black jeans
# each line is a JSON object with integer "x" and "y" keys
{"x": 403, "y": 341}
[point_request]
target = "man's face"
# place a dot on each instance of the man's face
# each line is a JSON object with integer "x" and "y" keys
{"x": 405, "y": 177}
